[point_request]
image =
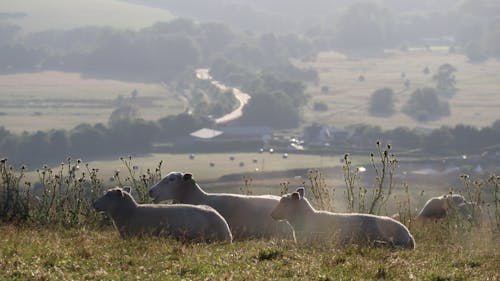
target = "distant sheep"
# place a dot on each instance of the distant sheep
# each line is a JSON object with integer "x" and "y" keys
{"x": 446, "y": 205}
{"x": 248, "y": 216}
{"x": 182, "y": 222}
{"x": 312, "y": 225}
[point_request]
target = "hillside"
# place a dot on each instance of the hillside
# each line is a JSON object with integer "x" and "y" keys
{"x": 33, "y": 15}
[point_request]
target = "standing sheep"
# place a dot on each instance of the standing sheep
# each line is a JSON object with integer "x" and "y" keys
{"x": 311, "y": 225}
{"x": 182, "y": 222}
{"x": 247, "y": 216}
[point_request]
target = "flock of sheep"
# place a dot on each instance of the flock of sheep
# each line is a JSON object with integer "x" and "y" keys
{"x": 223, "y": 217}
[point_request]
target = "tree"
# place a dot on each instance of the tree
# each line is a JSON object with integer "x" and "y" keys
{"x": 474, "y": 52}
{"x": 325, "y": 90}
{"x": 125, "y": 112}
{"x": 276, "y": 110}
{"x": 439, "y": 141}
{"x": 174, "y": 126}
{"x": 320, "y": 106}
{"x": 424, "y": 105}
{"x": 445, "y": 80}
{"x": 382, "y": 102}
{"x": 365, "y": 24}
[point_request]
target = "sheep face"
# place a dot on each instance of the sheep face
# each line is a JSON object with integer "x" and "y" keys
{"x": 171, "y": 187}
{"x": 289, "y": 204}
{"x": 110, "y": 201}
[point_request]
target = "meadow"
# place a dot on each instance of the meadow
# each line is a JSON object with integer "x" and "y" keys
{"x": 475, "y": 103}
{"x": 60, "y": 246}
{"x": 67, "y": 14}
{"x": 59, "y": 254}
{"x": 59, "y": 100}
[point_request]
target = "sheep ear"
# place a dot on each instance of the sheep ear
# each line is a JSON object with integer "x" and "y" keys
{"x": 301, "y": 191}
{"x": 296, "y": 196}
{"x": 187, "y": 176}
{"x": 127, "y": 189}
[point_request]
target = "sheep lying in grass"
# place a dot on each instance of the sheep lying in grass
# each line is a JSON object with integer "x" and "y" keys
{"x": 182, "y": 222}
{"x": 448, "y": 205}
{"x": 311, "y": 225}
{"x": 247, "y": 216}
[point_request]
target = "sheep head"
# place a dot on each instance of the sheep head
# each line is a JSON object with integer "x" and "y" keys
{"x": 288, "y": 205}
{"x": 110, "y": 200}
{"x": 172, "y": 187}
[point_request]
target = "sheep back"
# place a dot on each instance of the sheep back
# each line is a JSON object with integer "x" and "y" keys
{"x": 248, "y": 216}
{"x": 182, "y": 222}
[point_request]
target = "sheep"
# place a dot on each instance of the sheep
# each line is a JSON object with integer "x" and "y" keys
{"x": 247, "y": 215}
{"x": 311, "y": 225}
{"x": 448, "y": 205}
{"x": 182, "y": 222}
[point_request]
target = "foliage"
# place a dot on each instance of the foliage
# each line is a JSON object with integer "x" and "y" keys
{"x": 322, "y": 195}
{"x": 63, "y": 197}
{"x": 384, "y": 165}
{"x": 365, "y": 24}
{"x": 123, "y": 113}
{"x": 424, "y": 105}
{"x": 382, "y": 102}
{"x": 474, "y": 52}
{"x": 276, "y": 110}
{"x": 320, "y": 106}
{"x": 445, "y": 80}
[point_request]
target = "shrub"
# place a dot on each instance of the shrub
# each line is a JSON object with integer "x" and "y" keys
{"x": 382, "y": 102}
{"x": 320, "y": 106}
{"x": 424, "y": 105}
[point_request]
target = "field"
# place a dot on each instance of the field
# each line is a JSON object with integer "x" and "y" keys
{"x": 59, "y": 254}
{"x": 475, "y": 103}
{"x": 270, "y": 171}
{"x": 57, "y": 100}
{"x": 34, "y": 15}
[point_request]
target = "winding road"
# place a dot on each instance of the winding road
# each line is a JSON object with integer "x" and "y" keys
{"x": 243, "y": 98}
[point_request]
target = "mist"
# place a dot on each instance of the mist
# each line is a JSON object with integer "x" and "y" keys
{"x": 112, "y": 78}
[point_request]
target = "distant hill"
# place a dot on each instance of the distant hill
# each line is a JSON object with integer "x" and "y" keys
{"x": 36, "y": 15}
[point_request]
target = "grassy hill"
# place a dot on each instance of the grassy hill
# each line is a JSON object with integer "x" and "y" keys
{"x": 58, "y": 254}
{"x": 66, "y": 14}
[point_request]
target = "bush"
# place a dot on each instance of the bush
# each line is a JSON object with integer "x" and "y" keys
{"x": 424, "y": 105}
{"x": 320, "y": 106}
{"x": 382, "y": 102}
{"x": 63, "y": 197}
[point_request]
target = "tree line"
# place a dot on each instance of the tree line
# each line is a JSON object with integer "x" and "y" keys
{"x": 130, "y": 136}
{"x": 446, "y": 140}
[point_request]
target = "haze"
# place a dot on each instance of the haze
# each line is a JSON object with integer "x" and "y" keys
{"x": 98, "y": 79}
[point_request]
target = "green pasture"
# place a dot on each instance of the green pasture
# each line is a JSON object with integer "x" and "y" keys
{"x": 67, "y": 14}
{"x": 31, "y": 253}
{"x": 475, "y": 103}
{"x": 48, "y": 100}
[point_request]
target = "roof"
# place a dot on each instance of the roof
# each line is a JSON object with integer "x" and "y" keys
{"x": 206, "y": 133}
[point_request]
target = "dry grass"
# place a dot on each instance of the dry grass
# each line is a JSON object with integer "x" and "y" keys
{"x": 56, "y": 254}
{"x": 30, "y": 92}
{"x": 475, "y": 103}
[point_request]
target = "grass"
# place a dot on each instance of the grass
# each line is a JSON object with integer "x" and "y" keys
{"x": 474, "y": 104}
{"x": 67, "y": 14}
{"x": 48, "y": 100}
{"x": 59, "y": 254}
{"x": 60, "y": 246}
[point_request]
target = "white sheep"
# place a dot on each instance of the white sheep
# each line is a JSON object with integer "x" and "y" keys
{"x": 182, "y": 222}
{"x": 446, "y": 205}
{"x": 311, "y": 225}
{"x": 248, "y": 216}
